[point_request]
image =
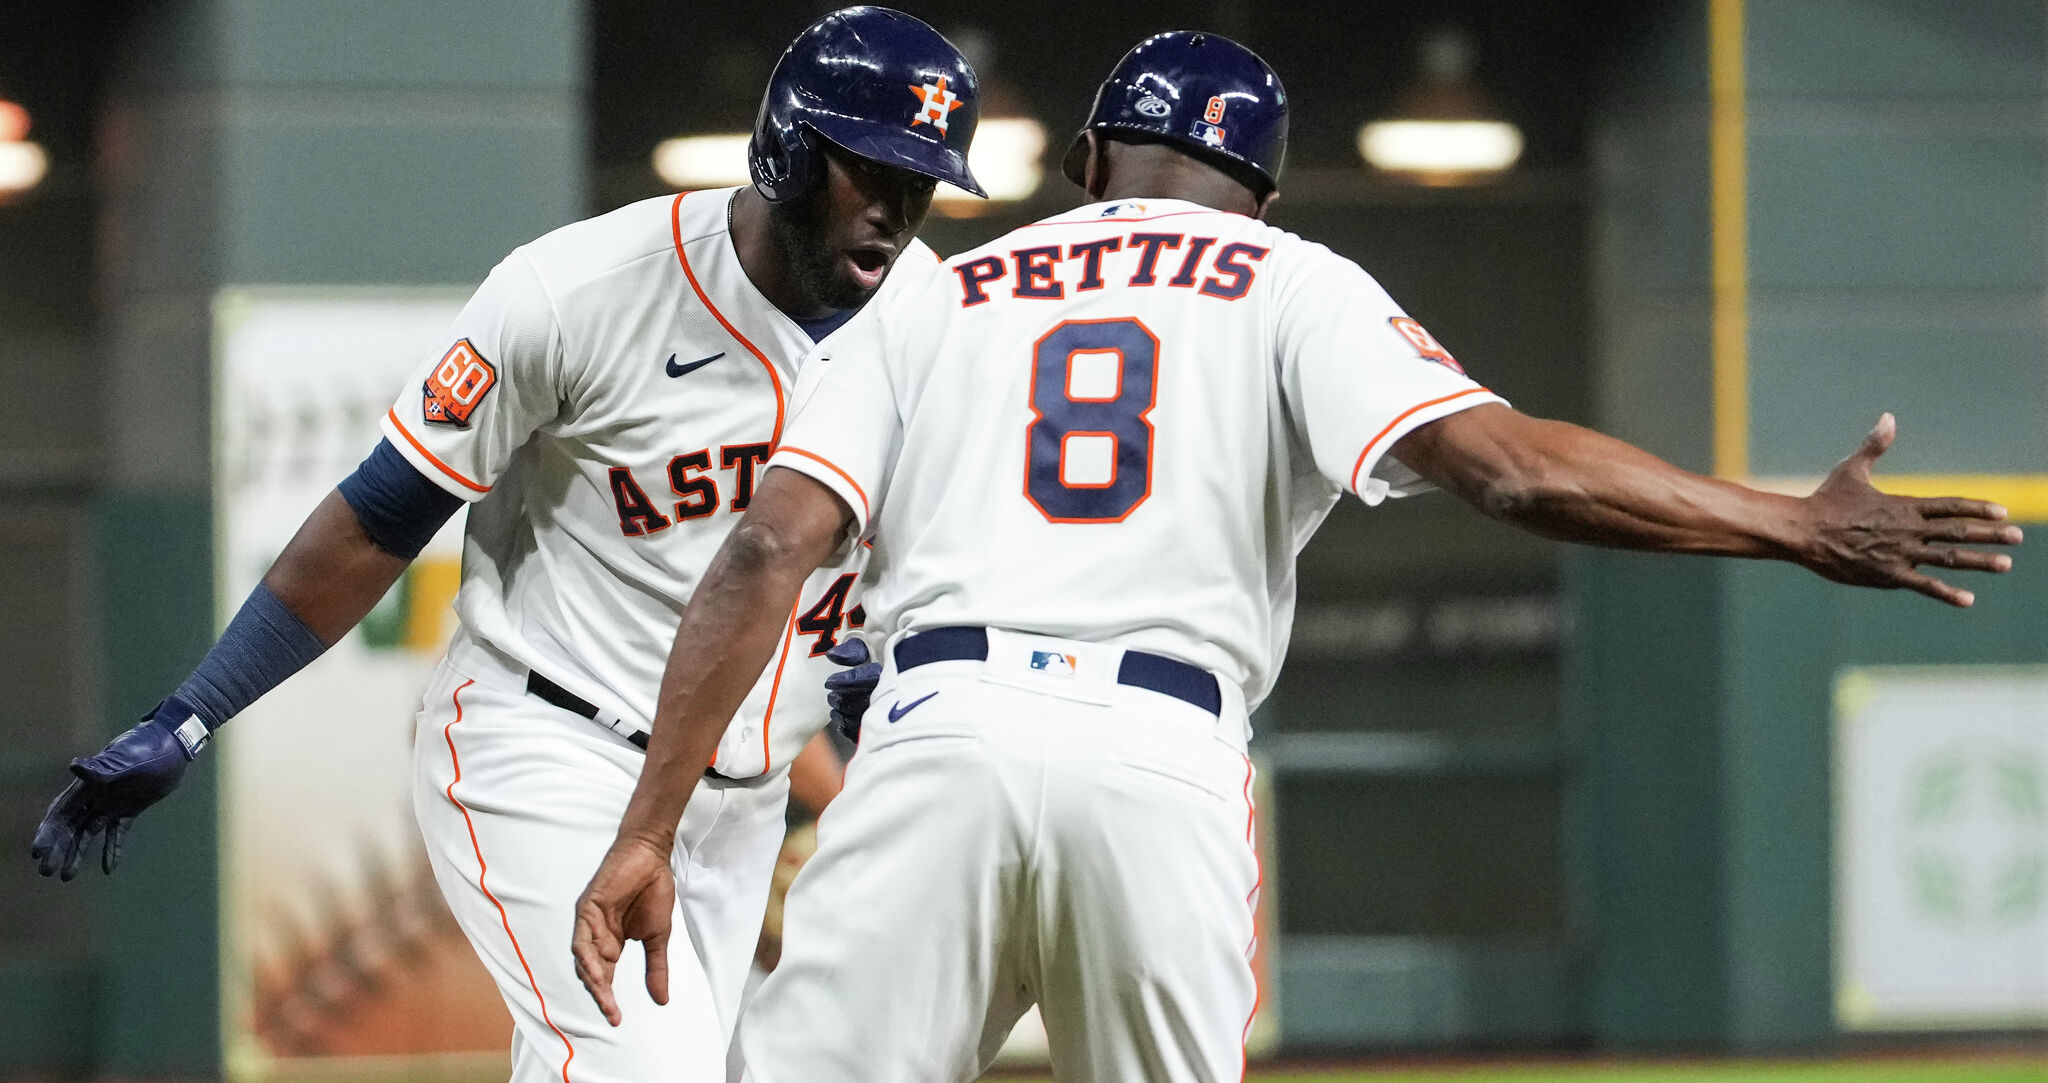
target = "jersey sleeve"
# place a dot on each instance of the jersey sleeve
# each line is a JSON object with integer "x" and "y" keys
{"x": 1357, "y": 374}
{"x": 486, "y": 386}
{"x": 847, "y": 424}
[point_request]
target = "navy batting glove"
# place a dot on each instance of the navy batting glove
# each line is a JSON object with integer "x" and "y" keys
{"x": 848, "y": 692}
{"x": 135, "y": 770}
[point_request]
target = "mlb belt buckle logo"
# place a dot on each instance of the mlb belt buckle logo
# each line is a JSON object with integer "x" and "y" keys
{"x": 1054, "y": 662}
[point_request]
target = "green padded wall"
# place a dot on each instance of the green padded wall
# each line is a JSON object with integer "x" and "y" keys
{"x": 1880, "y": 234}
{"x": 264, "y": 142}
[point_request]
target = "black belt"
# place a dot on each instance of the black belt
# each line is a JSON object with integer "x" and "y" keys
{"x": 541, "y": 688}
{"x": 547, "y": 691}
{"x": 1167, "y": 676}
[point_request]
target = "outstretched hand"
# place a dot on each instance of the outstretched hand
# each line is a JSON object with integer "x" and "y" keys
{"x": 1860, "y": 536}
{"x": 632, "y": 897}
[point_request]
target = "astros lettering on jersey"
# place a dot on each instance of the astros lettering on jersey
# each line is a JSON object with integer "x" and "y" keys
{"x": 628, "y": 383}
{"x": 1197, "y": 362}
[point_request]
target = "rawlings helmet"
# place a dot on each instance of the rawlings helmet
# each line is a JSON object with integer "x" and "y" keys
{"x": 878, "y": 83}
{"x": 1202, "y": 93}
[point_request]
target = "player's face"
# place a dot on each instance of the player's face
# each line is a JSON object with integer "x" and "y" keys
{"x": 842, "y": 237}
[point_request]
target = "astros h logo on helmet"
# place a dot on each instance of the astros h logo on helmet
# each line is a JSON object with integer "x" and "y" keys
{"x": 938, "y": 102}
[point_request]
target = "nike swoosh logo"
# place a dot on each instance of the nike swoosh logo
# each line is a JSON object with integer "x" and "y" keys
{"x": 684, "y": 370}
{"x": 899, "y": 710}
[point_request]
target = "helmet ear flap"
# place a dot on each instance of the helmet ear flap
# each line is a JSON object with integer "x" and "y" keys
{"x": 782, "y": 158}
{"x": 783, "y": 167}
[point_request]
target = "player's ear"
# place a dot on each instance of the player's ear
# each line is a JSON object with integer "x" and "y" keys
{"x": 1266, "y": 204}
{"x": 1095, "y": 175}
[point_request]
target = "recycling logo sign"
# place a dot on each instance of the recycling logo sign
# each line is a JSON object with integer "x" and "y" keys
{"x": 1941, "y": 848}
{"x": 1976, "y": 837}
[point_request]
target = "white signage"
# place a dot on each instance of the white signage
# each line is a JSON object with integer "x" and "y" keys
{"x": 334, "y": 941}
{"x": 1941, "y": 848}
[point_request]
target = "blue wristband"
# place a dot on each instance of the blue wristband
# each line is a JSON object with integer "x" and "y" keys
{"x": 265, "y": 644}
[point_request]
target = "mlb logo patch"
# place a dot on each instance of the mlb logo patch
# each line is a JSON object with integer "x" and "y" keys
{"x": 1209, "y": 134}
{"x": 1054, "y": 662}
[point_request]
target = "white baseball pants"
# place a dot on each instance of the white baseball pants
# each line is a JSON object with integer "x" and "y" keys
{"x": 518, "y": 801}
{"x": 1014, "y": 836}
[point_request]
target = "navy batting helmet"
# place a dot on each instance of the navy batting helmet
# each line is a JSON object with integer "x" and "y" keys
{"x": 877, "y": 82}
{"x": 1201, "y": 92}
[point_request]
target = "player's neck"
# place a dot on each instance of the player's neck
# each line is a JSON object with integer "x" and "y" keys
{"x": 1151, "y": 171}
{"x": 765, "y": 263}
{"x": 1229, "y": 197}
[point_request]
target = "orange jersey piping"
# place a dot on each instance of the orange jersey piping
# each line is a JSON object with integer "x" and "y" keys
{"x": 1405, "y": 415}
{"x": 448, "y": 733}
{"x": 775, "y": 687}
{"x": 775, "y": 378}
{"x": 1251, "y": 900}
{"x": 1148, "y": 218}
{"x": 834, "y": 467}
{"x": 392, "y": 414}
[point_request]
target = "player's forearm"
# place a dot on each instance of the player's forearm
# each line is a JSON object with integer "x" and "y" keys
{"x": 726, "y": 638}
{"x": 1596, "y": 490}
{"x": 1571, "y": 483}
{"x": 325, "y": 581}
{"x": 332, "y": 573}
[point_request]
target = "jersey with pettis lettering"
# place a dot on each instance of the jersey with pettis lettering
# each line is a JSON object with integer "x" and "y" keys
{"x": 608, "y": 400}
{"x": 1119, "y": 425}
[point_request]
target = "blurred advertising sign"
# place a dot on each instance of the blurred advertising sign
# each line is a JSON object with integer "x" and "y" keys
{"x": 1941, "y": 848}
{"x": 338, "y": 957}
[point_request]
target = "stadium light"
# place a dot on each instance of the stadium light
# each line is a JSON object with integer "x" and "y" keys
{"x": 703, "y": 161}
{"x": 1433, "y": 149}
{"x": 1006, "y": 159}
{"x": 22, "y": 164}
{"x": 1443, "y": 131}
{"x": 22, "y": 167}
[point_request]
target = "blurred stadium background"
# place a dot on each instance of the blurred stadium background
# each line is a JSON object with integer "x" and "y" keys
{"x": 1530, "y": 813}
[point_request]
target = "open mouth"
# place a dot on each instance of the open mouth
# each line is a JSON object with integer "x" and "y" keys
{"x": 869, "y": 266}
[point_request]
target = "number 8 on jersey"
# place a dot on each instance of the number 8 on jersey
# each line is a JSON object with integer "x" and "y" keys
{"x": 1088, "y": 454}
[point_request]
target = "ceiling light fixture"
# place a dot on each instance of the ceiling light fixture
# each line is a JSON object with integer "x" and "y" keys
{"x": 22, "y": 164}
{"x": 1443, "y": 132}
{"x": 1006, "y": 158}
{"x": 703, "y": 161}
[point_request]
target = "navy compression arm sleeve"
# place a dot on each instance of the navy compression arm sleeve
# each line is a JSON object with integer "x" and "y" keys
{"x": 266, "y": 642}
{"x": 399, "y": 507}
{"x": 262, "y": 646}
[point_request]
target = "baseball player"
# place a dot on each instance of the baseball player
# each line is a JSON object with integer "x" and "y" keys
{"x": 1086, "y": 455}
{"x": 605, "y": 403}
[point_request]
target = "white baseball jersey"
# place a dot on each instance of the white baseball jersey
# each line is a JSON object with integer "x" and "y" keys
{"x": 1118, "y": 425}
{"x": 607, "y": 400}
